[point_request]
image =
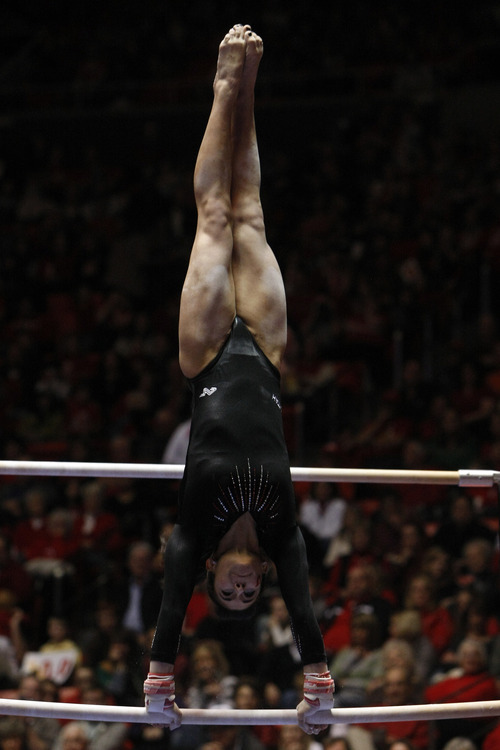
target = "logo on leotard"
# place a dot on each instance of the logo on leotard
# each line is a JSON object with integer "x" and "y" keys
{"x": 276, "y": 401}
{"x": 208, "y": 392}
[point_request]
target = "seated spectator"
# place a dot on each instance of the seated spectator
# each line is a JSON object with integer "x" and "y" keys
{"x": 211, "y": 684}
{"x": 94, "y": 640}
{"x": 356, "y": 666}
{"x": 280, "y": 659}
{"x": 30, "y": 532}
{"x": 274, "y": 629}
{"x": 100, "y": 735}
{"x": 339, "y": 743}
{"x": 248, "y": 696}
{"x": 74, "y": 736}
{"x": 118, "y": 672}
{"x": 405, "y": 561}
{"x": 292, "y": 737}
{"x": 399, "y": 689}
{"x": 462, "y": 743}
{"x": 231, "y": 738}
{"x": 54, "y": 549}
{"x": 437, "y": 564}
{"x": 460, "y": 526}
{"x": 41, "y": 733}
{"x": 491, "y": 740}
{"x": 437, "y": 624}
{"x": 13, "y": 576}
{"x": 341, "y": 545}
{"x": 476, "y": 569}
{"x": 362, "y": 595}
{"x": 321, "y": 516}
{"x": 96, "y": 529}
{"x": 407, "y": 626}
{"x": 65, "y": 655}
{"x": 13, "y": 636}
{"x": 12, "y": 734}
{"x": 360, "y": 553}
{"x": 401, "y": 745}
{"x": 396, "y": 653}
{"x": 59, "y": 639}
{"x": 471, "y": 620}
{"x": 471, "y": 681}
{"x": 138, "y": 596}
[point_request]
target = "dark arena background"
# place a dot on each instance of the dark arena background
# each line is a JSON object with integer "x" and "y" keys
{"x": 379, "y": 131}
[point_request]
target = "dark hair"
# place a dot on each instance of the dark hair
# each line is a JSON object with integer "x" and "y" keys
{"x": 224, "y": 613}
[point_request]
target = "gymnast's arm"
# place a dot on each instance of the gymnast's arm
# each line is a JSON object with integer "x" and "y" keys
{"x": 181, "y": 559}
{"x": 292, "y": 568}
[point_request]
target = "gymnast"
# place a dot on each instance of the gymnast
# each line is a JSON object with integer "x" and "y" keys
{"x": 236, "y": 509}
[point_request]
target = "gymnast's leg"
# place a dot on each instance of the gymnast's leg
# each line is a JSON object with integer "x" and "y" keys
{"x": 208, "y": 297}
{"x": 259, "y": 290}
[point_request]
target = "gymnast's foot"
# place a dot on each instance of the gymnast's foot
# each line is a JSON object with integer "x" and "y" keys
{"x": 231, "y": 59}
{"x": 253, "y": 56}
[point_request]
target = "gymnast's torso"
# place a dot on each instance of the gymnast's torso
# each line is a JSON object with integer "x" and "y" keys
{"x": 237, "y": 460}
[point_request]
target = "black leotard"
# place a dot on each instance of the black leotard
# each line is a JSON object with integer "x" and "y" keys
{"x": 237, "y": 462}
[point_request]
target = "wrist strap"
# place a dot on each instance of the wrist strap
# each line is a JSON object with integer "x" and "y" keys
{"x": 318, "y": 689}
{"x": 160, "y": 685}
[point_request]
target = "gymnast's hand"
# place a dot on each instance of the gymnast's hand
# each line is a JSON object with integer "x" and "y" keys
{"x": 318, "y": 696}
{"x": 159, "y": 691}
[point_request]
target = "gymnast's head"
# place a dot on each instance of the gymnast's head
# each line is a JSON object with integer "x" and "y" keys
{"x": 234, "y": 582}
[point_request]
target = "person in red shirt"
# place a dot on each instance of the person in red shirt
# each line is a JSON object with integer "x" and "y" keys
{"x": 437, "y": 624}
{"x": 400, "y": 690}
{"x": 471, "y": 682}
{"x": 361, "y": 596}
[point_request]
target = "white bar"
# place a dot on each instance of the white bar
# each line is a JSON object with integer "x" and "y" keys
{"x": 461, "y": 477}
{"x": 235, "y": 717}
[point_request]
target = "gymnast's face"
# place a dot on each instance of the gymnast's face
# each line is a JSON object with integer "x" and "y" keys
{"x": 237, "y": 578}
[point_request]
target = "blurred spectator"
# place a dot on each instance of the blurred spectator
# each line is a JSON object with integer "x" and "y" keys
{"x": 437, "y": 624}
{"x": 436, "y": 563}
{"x": 462, "y": 743}
{"x": 321, "y": 517}
{"x": 471, "y": 682}
{"x": 95, "y": 640}
{"x": 406, "y": 625}
{"x": 404, "y": 562}
{"x": 248, "y": 696}
{"x": 399, "y": 690}
{"x": 211, "y": 684}
{"x": 120, "y": 672}
{"x": 12, "y": 734}
{"x": 31, "y": 531}
{"x": 60, "y": 644}
{"x": 231, "y": 738}
{"x": 356, "y": 666}
{"x": 362, "y": 595}
{"x": 13, "y": 576}
{"x": 138, "y": 596}
{"x": 293, "y": 738}
{"x": 102, "y": 735}
{"x": 460, "y": 526}
{"x": 360, "y": 553}
{"x": 41, "y": 733}
{"x": 97, "y": 531}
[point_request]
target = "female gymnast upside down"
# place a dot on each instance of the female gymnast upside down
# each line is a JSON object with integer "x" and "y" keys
{"x": 236, "y": 502}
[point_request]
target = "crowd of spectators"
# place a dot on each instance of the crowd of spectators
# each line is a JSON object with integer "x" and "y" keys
{"x": 385, "y": 223}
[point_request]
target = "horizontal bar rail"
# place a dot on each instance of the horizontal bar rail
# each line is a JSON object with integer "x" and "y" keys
{"x": 257, "y": 717}
{"x": 460, "y": 477}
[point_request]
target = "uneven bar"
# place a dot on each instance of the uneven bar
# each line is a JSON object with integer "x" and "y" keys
{"x": 462, "y": 477}
{"x": 237, "y": 717}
